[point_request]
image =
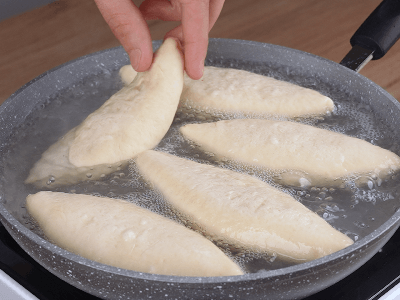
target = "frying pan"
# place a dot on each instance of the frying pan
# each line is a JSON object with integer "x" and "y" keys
{"x": 293, "y": 282}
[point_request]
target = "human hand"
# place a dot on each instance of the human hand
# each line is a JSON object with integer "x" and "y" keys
{"x": 128, "y": 23}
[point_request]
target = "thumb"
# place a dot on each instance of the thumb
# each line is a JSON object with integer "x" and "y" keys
{"x": 126, "y": 22}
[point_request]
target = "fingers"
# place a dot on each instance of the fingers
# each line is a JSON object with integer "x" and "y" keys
{"x": 130, "y": 28}
{"x": 195, "y": 28}
{"x": 193, "y": 33}
{"x": 197, "y": 17}
{"x": 171, "y": 10}
{"x": 161, "y": 10}
{"x": 215, "y": 10}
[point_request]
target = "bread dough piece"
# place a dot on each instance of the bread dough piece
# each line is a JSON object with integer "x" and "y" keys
{"x": 238, "y": 91}
{"x": 127, "y": 74}
{"x": 134, "y": 119}
{"x": 316, "y": 156}
{"x": 241, "y": 92}
{"x": 241, "y": 209}
{"x": 123, "y": 235}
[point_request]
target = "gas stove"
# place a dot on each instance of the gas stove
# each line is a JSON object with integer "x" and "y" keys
{"x": 22, "y": 278}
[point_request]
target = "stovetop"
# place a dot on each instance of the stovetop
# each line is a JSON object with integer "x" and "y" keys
{"x": 379, "y": 275}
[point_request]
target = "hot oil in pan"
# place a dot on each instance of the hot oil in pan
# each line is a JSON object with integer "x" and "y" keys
{"x": 350, "y": 209}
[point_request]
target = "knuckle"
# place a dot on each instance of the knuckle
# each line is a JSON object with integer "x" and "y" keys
{"x": 193, "y": 1}
{"x": 118, "y": 23}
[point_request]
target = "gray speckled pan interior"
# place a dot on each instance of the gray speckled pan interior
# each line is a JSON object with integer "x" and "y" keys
{"x": 108, "y": 282}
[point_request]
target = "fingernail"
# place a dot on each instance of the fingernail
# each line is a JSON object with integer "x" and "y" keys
{"x": 135, "y": 56}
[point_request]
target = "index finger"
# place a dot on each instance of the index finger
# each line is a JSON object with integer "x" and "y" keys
{"x": 195, "y": 26}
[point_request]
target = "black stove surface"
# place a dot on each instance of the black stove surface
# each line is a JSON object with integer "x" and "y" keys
{"x": 369, "y": 282}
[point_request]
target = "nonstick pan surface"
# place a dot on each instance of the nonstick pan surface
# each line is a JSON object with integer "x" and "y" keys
{"x": 371, "y": 226}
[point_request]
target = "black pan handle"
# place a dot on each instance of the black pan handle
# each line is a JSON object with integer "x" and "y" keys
{"x": 375, "y": 36}
{"x": 380, "y": 30}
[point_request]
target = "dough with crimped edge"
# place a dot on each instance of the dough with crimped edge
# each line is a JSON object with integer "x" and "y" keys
{"x": 233, "y": 92}
{"x": 133, "y": 120}
{"x": 241, "y": 209}
{"x": 124, "y": 235}
{"x": 312, "y": 155}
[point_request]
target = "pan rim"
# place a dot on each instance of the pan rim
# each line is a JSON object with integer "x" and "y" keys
{"x": 287, "y": 271}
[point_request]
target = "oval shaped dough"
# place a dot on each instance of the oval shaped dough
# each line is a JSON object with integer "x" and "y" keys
{"x": 241, "y": 209}
{"x": 134, "y": 119}
{"x": 318, "y": 156}
{"x": 121, "y": 234}
{"x": 235, "y": 91}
